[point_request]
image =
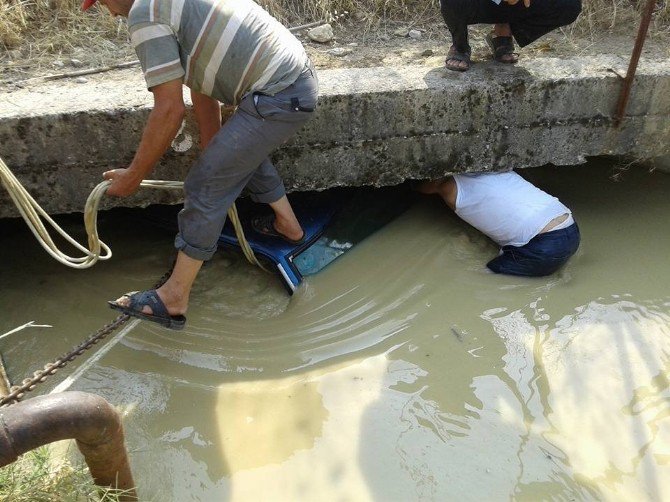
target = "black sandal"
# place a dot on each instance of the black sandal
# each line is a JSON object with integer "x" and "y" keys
{"x": 265, "y": 225}
{"x": 455, "y": 55}
{"x": 160, "y": 314}
{"x": 502, "y": 49}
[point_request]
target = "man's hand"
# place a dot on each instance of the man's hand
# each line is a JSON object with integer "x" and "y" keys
{"x": 160, "y": 130}
{"x": 514, "y": 2}
{"x": 124, "y": 182}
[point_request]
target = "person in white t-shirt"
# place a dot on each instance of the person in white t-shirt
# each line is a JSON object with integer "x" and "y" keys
{"x": 536, "y": 232}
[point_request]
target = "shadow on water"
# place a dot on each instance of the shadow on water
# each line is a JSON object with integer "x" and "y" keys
{"x": 403, "y": 371}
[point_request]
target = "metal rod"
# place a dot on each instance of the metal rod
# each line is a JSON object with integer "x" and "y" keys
{"x": 634, "y": 59}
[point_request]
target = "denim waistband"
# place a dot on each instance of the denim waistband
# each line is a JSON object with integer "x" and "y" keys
{"x": 560, "y": 233}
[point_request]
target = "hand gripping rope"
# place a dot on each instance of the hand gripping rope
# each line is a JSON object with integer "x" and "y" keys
{"x": 33, "y": 215}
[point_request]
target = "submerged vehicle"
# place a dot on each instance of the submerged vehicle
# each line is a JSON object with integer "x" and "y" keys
{"x": 333, "y": 222}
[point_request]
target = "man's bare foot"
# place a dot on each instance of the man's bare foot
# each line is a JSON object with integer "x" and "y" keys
{"x": 290, "y": 229}
{"x": 457, "y": 61}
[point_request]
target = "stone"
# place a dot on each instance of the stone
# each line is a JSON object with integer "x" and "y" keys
{"x": 414, "y": 34}
{"x": 109, "y": 44}
{"x": 77, "y": 63}
{"x": 321, "y": 34}
{"x": 58, "y": 64}
{"x": 401, "y": 32}
{"x": 81, "y": 80}
{"x": 80, "y": 53}
{"x": 340, "y": 52}
{"x": 427, "y": 53}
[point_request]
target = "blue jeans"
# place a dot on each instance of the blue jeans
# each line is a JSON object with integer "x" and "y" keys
{"x": 543, "y": 255}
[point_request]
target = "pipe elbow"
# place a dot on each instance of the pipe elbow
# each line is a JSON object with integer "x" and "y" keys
{"x": 69, "y": 415}
{"x": 87, "y": 418}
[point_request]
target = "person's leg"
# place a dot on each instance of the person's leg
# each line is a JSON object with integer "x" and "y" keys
{"x": 455, "y": 14}
{"x": 218, "y": 178}
{"x": 177, "y": 289}
{"x": 285, "y": 221}
{"x": 266, "y": 186}
{"x": 502, "y": 45}
{"x": 543, "y": 255}
{"x": 541, "y": 17}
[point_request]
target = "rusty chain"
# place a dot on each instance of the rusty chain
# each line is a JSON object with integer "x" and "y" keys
{"x": 17, "y": 392}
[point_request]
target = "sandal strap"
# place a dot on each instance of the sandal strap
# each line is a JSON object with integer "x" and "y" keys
{"x": 459, "y": 56}
{"x": 265, "y": 225}
{"x": 501, "y": 46}
{"x": 150, "y": 298}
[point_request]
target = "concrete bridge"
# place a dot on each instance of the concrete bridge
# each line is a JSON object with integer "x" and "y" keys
{"x": 374, "y": 126}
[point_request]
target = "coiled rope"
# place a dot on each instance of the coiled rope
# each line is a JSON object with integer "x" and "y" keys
{"x": 97, "y": 250}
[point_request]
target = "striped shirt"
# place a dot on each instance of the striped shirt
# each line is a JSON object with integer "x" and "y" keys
{"x": 221, "y": 48}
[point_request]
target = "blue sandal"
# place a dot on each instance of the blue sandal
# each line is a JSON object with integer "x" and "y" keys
{"x": 159, "y": 313}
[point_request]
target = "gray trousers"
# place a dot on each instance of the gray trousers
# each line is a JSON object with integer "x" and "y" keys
{"x": 237, "y": 157}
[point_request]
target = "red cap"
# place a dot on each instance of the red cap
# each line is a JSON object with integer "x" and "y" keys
{"x": 86, "y": 4}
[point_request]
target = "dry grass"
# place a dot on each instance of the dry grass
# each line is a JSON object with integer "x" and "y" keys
{"x": 35, "y": 34}
{"x": 373, "y": 11}
{"x": 619, "y": 16}
{"x": 34, "y": 478}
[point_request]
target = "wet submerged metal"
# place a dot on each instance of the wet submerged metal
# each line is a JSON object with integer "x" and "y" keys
{"x": 403, "y": 371}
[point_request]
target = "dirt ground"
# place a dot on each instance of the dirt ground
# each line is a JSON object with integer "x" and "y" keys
{"x": 384, "y": 47}
{"x": 355, "y": 45}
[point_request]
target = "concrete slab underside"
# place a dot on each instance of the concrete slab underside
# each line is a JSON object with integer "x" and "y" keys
{"x": 374, "y": 126}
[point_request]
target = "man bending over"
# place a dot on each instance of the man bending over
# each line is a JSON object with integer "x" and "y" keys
{"x": 536, "y": 232}
{"x": 228, "y": 51}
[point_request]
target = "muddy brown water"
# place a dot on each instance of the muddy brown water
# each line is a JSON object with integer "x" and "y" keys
{"x": 403, "y": 371}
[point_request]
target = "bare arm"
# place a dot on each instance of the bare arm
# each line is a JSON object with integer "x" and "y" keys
{"x": 207, "y": 113}
{"x": 159, "y": 131}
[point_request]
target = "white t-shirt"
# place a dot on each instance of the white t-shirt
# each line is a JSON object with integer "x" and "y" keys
{"x": 505, "y": 207}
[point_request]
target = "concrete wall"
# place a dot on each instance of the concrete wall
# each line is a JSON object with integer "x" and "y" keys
{"x": 374, "y": 126}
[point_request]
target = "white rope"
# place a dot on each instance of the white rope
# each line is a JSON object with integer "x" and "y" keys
{"x": 33, "y": 215}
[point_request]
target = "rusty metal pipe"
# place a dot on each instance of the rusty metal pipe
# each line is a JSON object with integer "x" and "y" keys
{"x": 622, "y": 103}
{"x": 87, "y": 418}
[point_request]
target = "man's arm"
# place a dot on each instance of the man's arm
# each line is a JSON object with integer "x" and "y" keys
{"x": 207, "y": 113}
{"x": 161, "y": 127}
